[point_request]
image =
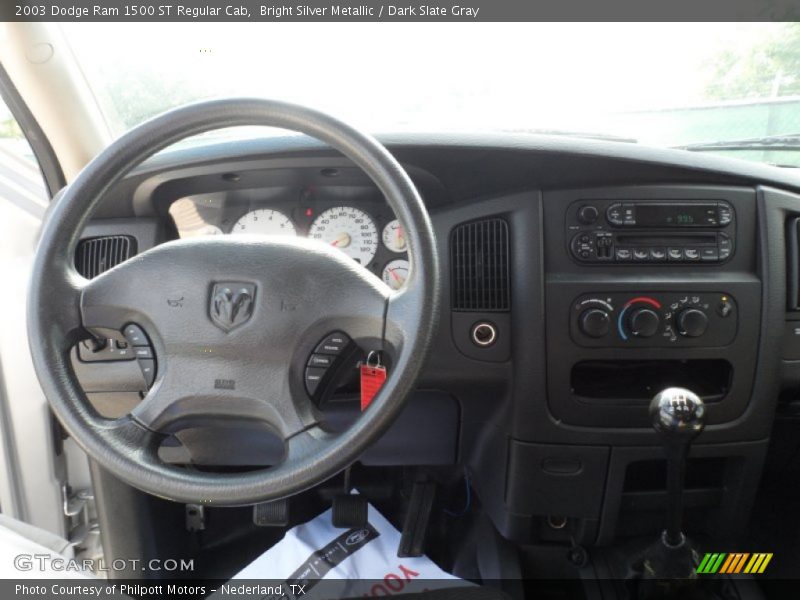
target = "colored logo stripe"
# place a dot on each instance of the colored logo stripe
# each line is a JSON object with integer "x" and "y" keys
{"x": 758, "y": 563}
{"x": 711, "y": 562}
{"x": 735, "y": 562}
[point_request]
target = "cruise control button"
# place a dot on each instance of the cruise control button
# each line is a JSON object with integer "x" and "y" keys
{"x": 143, "y": 352}
{"x": 135, "y": 335}
{"x": 148, "y": 368}
{"x": 333, "y": 344}
{"x": 320, "y": 360}
{"x": 314, "y": 377}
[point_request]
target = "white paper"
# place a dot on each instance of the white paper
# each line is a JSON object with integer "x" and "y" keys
{"x": 361, "y": 562}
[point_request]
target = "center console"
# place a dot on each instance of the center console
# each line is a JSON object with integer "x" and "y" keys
{"x": 645, "y": 288}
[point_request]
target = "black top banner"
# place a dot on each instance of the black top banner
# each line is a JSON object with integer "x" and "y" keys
{"x": 380, "y": 10}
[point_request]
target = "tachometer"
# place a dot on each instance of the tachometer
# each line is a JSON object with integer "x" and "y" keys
{"x": 395, "y": 273}
{"x": 394, "y": 236}
{"x": 350, "y": 230}
{"x": 265, "y": 221}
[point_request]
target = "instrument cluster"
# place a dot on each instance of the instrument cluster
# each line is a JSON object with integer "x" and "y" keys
{"x": 367, "y": 232}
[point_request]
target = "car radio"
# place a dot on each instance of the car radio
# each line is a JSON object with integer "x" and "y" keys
{"x": 641, "y": 231}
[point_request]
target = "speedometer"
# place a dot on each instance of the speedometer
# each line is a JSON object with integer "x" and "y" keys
{"x": 350, "y": 230}
{"x": 265, "y": 221}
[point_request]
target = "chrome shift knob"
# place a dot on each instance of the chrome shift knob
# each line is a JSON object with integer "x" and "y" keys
{"x": 678, "y": 413}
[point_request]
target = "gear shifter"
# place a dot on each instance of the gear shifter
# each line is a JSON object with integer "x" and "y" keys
{"x": 678, "y": 416}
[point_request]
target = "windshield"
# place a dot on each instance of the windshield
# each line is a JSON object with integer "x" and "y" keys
{"x": 658, "y": 84}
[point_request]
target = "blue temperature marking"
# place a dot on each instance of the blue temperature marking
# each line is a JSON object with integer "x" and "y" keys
{"x": 619, "y": 324}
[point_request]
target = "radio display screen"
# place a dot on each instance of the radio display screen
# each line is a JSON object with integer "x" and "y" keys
{"x": 676, "y": 215}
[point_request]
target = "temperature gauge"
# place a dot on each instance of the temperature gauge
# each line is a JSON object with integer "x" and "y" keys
{"x": 395, "y": 273}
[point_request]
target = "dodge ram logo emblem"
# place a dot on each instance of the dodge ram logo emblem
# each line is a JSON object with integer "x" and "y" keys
{"x": 231, "y": 304}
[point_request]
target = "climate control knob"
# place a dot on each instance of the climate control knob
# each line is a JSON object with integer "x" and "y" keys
{"x": 691, "y": 322}
{"x": 594, "y": 322}
{"x": 643, "y": 322}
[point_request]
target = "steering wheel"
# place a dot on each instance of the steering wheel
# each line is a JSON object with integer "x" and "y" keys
{"x": 275, "y": 297}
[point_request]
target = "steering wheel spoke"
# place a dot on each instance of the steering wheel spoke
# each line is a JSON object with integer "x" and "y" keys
{"x": 198, "y": 391}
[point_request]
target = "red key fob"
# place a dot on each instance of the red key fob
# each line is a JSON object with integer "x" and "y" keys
{"x": 372, "y": 378}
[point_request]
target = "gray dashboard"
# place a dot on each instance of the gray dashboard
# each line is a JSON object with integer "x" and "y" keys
{"x": 541, "y": 393}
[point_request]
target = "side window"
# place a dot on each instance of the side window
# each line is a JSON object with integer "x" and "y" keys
{"x": 23, "y": 195}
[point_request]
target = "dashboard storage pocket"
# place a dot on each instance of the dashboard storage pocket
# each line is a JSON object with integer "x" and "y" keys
{"x": 635, "y": 382}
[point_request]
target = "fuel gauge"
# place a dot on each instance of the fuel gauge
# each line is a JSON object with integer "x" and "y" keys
{"x": 395, "y": 273}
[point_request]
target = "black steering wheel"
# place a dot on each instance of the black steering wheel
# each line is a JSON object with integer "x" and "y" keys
{"x": 246, "y": 282}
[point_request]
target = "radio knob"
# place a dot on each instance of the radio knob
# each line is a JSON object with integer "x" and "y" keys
{"x": 594, "y": 322}
{"x": 587, "y": 214}
{"x": 643, "y": 322}
{"x": 692, "y": 322}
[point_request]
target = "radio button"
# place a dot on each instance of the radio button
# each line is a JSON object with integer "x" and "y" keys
{"x": 623, "y": 253}
{"x": 709, "y": 254}
{"x": 587, "y": 214}
{"x": 641, "y": 254}
{"x": 725, "y": 246}
{"x": 614, "y": 214}
{"x": 658, "y": 253}
{"x": 725, "y": 214}
{"x": 629, "y": 214}
{"x": 675, "y": 253}
{"x": 691, "y": 253}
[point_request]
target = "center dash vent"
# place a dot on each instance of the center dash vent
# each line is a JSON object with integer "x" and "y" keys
{"x": 479, "y": 257}
{"x": 97, "y": 255}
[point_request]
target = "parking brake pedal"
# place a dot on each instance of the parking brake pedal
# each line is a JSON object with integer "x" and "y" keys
{"x": 271, "y": 514}
{"x": 415, "y": 526}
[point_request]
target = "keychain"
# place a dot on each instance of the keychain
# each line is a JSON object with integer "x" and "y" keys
{"x": 373, "y": 374}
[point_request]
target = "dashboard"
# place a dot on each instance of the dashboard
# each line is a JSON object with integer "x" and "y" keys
{"x": 580, "y": 277}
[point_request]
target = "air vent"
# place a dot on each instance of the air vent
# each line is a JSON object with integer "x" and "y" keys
{"x": 97, "y": 255}
{"x": 479, "y": 259}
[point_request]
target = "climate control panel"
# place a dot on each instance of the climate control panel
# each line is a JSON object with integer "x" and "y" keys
{"x": 658, "y": 319}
